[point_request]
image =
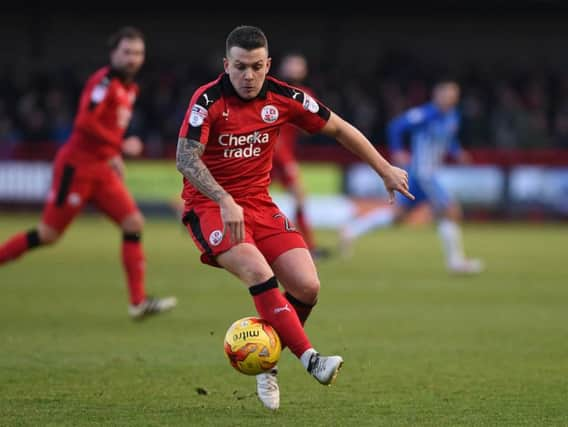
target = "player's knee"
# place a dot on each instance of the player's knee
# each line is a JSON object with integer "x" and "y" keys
{"x": 454, "y": 212}
{"x": 47, "y": 235}
{"x": 255, "y": 274}
{"x": 133, "y": 223}
{"x": 247, "y": 263}
{"x": 254, "y": 270}
{"x": 309, "y": 290}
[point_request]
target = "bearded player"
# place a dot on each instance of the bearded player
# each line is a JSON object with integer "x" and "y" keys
{"x": 90, "y": 168}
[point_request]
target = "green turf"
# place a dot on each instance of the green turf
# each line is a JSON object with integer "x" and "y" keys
{"x": 158, "y": 180}
{"x": 318, "y": 178}
{"x": 153, "y": 180}
{"x": 420, "y": 347}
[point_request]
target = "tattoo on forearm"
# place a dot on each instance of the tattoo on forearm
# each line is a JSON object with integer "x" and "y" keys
{"x": 189, "y": 163}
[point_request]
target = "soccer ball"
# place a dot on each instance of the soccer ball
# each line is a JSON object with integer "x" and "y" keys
{"x": 252, "y": 346}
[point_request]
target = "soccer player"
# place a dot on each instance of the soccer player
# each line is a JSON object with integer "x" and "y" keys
{"x": 433, "y": 129}
{"x": 224, "y": 153}
{"x": 89, "y": 167}
{"x": 285, "y": 169}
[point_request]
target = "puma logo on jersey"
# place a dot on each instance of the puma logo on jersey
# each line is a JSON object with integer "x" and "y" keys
{"x": 296, "y": 93}
{"x": 207, "y": 100}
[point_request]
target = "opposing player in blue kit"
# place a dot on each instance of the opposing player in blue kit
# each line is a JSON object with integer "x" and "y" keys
{"x": 433, "y": 129}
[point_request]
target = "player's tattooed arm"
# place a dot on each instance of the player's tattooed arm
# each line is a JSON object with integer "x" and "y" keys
{"x": 190, "y": 165}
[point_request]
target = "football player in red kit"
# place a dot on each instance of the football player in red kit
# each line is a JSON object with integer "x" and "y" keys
{"x": 285, "y": 169}
{"x": 225, "y": 150}
{"x": 89, "y": 167}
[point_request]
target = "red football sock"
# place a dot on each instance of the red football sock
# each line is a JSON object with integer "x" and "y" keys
{"x": 305, "y": 228}
{"x": 17, "y": 245}
{"x": 303, "y": 310}
{"x": 276, "y": 310}
{"x": 134, "y": 266}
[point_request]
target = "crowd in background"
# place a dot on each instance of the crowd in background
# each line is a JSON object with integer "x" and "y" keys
{"x": 519, "y": 110}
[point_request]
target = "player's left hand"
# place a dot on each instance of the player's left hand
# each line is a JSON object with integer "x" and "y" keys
{"x": 117, "y": 165}
{"x": 396, "y": 179}
{"x": 132, "y": 146}
{"x": 233, "y": 219}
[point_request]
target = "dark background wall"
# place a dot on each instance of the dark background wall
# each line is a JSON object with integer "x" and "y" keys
{"x": 368, "y": 66}
{"x": 482, "y": 34}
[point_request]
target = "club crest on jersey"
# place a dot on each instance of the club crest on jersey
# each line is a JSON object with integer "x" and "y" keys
{"x": 310, "y": 104}
{"x": 269, "y": 113}
{"x": 197, "y": 116}
{"x": 215, "y": 237}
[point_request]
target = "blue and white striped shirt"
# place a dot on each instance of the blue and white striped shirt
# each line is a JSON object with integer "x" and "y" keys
{"x": 433, "y": 134}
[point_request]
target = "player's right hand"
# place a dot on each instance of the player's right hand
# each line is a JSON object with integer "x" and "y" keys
{"x": 233, "y": 219}
{"x": 396, "y": 179}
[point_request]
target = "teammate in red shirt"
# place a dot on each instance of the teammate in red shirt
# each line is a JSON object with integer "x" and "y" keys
{"x": 225, "y": 150}
{"x": 285, "y": 169}
{"x": 89, "y": 167}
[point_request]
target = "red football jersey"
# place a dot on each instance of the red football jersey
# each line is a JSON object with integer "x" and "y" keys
{"x": 240, "y": 135}
{"x": 289, "y": 135}
{"x": 104, "y": 113}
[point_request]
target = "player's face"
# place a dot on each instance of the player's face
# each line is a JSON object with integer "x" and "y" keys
{"x": 294, "y": 69}
{"x": 128, "y": 56}
{"x": 247, "y": 70}
{"x": 446, "y": 96}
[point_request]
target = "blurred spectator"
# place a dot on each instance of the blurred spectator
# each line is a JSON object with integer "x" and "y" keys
{"x": 9, "y": 136}
{"x": 59, "y": 115}
{"x": 508, "y": 121}
{"x": 498, "y": 109}
{"x": 560, "y": 129}
{"x": 475, "y": 119}
{"x": 35, "y": 126}
{"x": 537, "y": 106}
{"x": 362, "y": 109}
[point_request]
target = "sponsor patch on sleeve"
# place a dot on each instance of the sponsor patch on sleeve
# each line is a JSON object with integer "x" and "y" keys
{"x": 310, "y": 104}
{"x": 198, "y": 115}
{"x": 98, "y": 93}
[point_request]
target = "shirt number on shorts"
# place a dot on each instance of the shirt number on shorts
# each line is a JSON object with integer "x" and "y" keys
{"x": 287, "y": 225}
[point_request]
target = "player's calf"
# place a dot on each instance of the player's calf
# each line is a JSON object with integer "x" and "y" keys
{"x": 303, "y": 310}
{"x": 19, "y": 244}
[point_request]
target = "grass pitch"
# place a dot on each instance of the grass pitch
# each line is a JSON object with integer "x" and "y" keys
{"x": 420, "y": 347}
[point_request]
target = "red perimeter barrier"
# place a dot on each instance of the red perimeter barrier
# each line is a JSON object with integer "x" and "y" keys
{"x": 333, "y": 153}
